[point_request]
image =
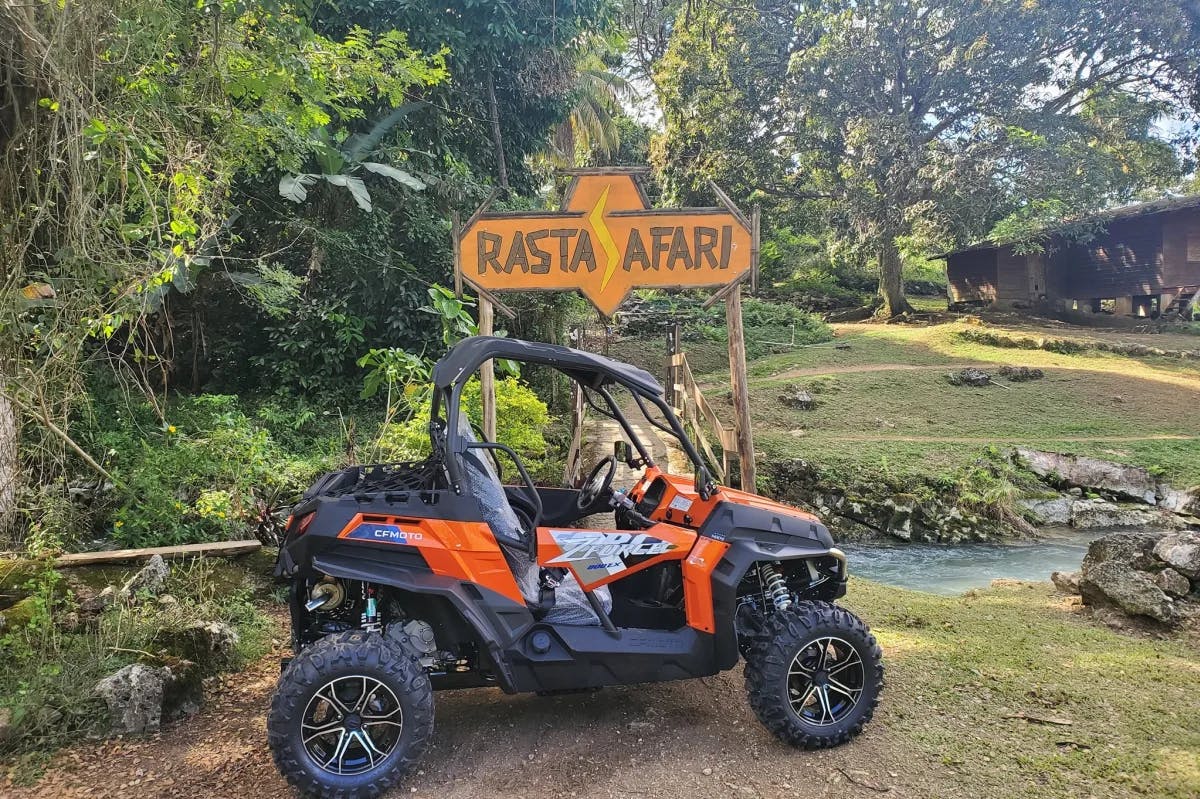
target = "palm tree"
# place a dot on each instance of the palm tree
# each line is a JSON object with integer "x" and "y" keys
{"x": 590, "y": 126}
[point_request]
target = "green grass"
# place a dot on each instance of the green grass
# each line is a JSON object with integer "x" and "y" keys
{"x": 935, "y": 304}
{"x": 884, "y": 404}
{"x": 957, "y": 666}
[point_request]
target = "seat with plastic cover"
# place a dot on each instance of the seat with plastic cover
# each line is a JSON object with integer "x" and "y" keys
{"x": 570, "y": 604}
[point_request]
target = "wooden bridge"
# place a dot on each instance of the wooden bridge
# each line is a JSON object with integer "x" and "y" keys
{"x": 594, "y": 433}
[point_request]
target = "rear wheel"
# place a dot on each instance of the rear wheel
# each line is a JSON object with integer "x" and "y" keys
{"x": 351, "y": 715}
{"x": 814, "y": 675}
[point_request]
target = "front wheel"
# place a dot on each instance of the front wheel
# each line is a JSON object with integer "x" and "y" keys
{"x": 814, "y": 675}
{"x": 351, "y": 715}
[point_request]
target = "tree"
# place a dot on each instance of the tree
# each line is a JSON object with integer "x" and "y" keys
{"x": 902, "y": 117}
{"x": 593, "y": 122}
{"x": 340, "y": 280}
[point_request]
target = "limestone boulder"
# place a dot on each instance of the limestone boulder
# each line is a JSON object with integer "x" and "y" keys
{"x": 134, "y": 696}
{"x": 1054, "y": 511}
{"x": 1133, "y": 591}
{"x": 111, "y": 595}
{"x": 1180, "y": 551}
{"x": 1172, "y": 583}
{"x": 1134, "y": 548}
{"x": 975, "y": 378}
{"x": 1132, "y": 482}
{"x": 151, "y": 578}
{"x": 211, "y": 646}
{"x": 1066, "y": 582}
{"x": 1095, "y": 513}
{"x": 794, "y": 396}
{"x": 1178, "y": 500}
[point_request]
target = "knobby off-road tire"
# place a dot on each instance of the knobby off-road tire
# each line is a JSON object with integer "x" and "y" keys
{"x": 326, "y": 676}
{"x": 803, "y": 648}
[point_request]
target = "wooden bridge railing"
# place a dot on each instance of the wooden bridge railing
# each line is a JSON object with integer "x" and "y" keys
{"x": 693, "y": 409}
{"x": 575, "y": 451}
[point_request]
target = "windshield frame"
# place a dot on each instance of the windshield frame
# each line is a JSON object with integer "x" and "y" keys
{"x": 447, "y": 430}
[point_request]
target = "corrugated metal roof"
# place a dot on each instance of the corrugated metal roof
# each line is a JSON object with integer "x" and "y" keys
{"x": 1109, "y": 215}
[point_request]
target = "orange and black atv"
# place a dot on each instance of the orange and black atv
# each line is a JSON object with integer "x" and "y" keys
{"x": 406, "y": 578}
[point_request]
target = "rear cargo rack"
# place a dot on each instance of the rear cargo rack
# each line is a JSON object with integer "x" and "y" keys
{"x": 365, "y": 481}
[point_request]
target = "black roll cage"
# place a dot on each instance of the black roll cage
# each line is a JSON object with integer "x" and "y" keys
{"x": 591, "y": 372}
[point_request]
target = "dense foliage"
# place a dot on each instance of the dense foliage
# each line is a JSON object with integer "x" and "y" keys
{"x": 521, "y": 424}
{"x": 895, "y": 123}
{"x": 226, "y": 227}
{"x": 248, "y": 202}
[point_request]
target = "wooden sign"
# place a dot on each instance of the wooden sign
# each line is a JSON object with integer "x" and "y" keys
{"x": 605, "y": 241}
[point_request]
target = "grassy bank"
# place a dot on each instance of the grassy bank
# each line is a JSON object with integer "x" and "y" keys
{"x": 964, "y": 672}
{"x": 884, "y": 404}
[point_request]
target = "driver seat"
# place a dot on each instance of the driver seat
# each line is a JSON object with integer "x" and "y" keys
{"x": 570, "y": 605}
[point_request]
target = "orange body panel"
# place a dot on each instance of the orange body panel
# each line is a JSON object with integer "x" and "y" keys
{"x": 462, "y": 550}
{"x": 697, "y": 583}
{"x": 468, "y": 550}
{"x": 681, "y": 492}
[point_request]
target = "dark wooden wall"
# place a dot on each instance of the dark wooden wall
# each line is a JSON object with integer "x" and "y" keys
{"x": 971, "y": 275}
{"x": 1136, "y": 256}
{"x": 1012, "y": 277}
{"x": 1124, "y": 261}
{"x": 1177, "y": 227}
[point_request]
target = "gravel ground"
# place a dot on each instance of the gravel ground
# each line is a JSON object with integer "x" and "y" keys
{"x": 686, "y": 739}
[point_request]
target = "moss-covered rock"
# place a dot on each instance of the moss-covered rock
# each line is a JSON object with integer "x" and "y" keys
{"x": 15, "y": 573}
{"x": 212, "y": 646}
{"x": 18, "y": 615}
{"x": 917, "y": 511}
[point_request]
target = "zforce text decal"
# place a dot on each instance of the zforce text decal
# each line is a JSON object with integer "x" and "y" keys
{"x": 595, "y": 556}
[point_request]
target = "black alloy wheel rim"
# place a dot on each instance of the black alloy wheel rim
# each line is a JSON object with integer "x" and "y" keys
{"x": 825, "y": 681}
{"x": 351, "y": 725}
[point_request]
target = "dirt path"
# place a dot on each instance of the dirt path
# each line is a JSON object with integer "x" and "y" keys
{"x": 1009, "y": 440}
{"x": 686, "y": 739}
{"x": 810, "y": 371}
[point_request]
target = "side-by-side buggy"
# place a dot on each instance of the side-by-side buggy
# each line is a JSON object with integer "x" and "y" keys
{"x": 408, "y": 578}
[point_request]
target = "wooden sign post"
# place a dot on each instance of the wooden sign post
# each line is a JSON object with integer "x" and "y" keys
{"x": 605, "y": 241}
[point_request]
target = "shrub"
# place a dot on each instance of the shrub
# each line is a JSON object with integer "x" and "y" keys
{"x": 521, "y": 422}
{"x": 207, "y": 475}
{"x": 770, "y": 327}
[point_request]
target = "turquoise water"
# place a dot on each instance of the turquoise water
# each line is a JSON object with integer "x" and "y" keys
{"x": 953, "y": 568}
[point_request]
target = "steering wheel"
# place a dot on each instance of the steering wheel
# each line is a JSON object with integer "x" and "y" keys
{"x": 598, "y": 483}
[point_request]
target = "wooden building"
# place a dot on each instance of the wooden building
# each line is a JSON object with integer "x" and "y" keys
{"x": 1145, "y": 261}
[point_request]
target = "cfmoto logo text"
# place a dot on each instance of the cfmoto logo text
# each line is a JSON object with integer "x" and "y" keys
{"x": 387, "y": 532}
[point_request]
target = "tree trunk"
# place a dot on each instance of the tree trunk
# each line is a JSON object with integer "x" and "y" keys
{"x": 8, "y": 467}
{"x": 891, "y": 281}
{"x": 487, "y": 374}
{"x": 497, "y": 138}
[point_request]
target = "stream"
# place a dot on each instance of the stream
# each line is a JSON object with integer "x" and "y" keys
{"x": 951, "y": 569}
